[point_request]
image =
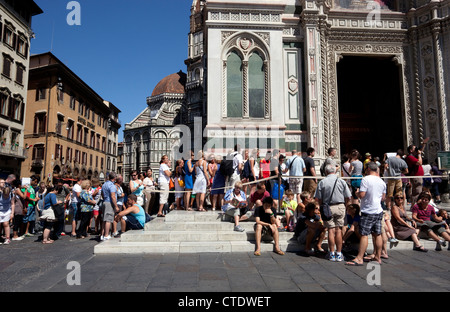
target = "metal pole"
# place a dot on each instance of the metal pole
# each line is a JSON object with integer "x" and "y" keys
{"x": 279, "y": 188}
{"x": 46, "y": 131}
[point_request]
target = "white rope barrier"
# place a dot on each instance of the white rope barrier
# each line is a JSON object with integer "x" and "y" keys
{"x": 302, "y": 177}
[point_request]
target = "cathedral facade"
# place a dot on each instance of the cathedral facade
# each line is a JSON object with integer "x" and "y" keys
{"x": 290, "y": 74}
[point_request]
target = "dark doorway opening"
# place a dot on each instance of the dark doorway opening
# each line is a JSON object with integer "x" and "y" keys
{"x": 370, "y": 114}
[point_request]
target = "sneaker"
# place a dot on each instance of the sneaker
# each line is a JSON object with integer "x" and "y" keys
{"x": 339, "y": 257}
{"x": 105, "y": 238}
{"x": 443, "y": 243}
{"x": 239, "y": 228}
{"x": 18, "y": 238}
{"x": 7, "y": 241}
{"x": 393, "y": 240}
{"x": 438, "y": 246}
{"x": 332, "y": 256}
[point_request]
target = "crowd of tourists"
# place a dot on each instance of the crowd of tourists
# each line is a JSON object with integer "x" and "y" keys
{"x": 30, "y": 208}
{"x": 392, "y": 199}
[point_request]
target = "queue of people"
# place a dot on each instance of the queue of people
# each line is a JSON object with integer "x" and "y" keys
{"x": 29, "y": 208}
{"x": 242, "y": 185}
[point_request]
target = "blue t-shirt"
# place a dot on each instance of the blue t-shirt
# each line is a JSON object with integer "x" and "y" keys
{"x": 351, "y": 220}
{"x": 50, "y": 200}
{"x": 296, "y": 165}
{"x": 107, "y": 189}
{"x": 140, "y": 216}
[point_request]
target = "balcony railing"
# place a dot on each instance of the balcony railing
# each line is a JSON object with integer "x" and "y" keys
{"x": 13, "y": 150}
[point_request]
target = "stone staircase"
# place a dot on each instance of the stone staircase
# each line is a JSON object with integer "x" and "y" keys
{"x": 201, "y": 232}
{"x": 192, "y": 232}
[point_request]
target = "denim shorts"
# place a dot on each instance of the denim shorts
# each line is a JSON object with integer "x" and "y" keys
{"x": 75, "y": 208}
{"x": 31, "y": 214}
{"x": 132, "y": 223}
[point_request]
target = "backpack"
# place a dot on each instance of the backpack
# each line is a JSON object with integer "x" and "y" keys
{"x": 226, "y": 166}
{"x": 247, "y": 172}
{"x": 322, "y": 169}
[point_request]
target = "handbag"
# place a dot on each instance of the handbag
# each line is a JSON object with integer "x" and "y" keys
{"x": 47, "y": 214}
{"x": 325, "y": 209}
{"x": 171, "y": 184}
{"x": 180, "y": 182}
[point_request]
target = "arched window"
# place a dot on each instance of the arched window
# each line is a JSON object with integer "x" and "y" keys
{"x": 256, "y": 86}
{"x": 160, "y": 146}
{"x": 245, "y": 78}
{"x": 234, "y": 85}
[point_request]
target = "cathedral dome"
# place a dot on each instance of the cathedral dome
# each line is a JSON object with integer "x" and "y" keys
{"x": 174, "y": 83}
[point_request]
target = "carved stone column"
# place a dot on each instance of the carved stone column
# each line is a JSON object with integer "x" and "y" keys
{"x": 317, "y": 136}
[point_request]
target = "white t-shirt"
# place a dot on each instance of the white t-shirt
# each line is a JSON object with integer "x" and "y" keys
{"x": 426, "y": 169}
{"x": 374, "y": 188}
{"x": 237, "y": 159}
{"x": 147, "y": 182}
{"x": 163, "y": 178}
{"x": 76, "y": 189}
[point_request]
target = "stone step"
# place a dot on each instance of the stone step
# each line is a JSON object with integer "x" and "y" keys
{"x": 195, "y": 226}
{"x": 198, "y": 232}
{"x": 116, "y": 246}
{"x": 193, "y": 216}
{"x": 195, "y": 236}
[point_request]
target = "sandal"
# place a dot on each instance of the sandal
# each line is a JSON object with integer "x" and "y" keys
{"x": 279, "y": 252}
{"x": 420, "y": 248}
{"x": 160, "y": 215}
{"x": 353, "y": 263}
{"x": 257, "y": 253}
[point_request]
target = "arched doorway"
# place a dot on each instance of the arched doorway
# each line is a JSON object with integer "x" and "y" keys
{"x": 370, "y": 105}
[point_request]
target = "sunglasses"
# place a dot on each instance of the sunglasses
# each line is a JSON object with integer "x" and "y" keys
{"x": 399, "y": 198}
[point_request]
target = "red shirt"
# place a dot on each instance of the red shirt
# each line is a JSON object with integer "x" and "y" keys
{"x": 264, "y": 166}
{"x": 424, "y": 215}
{"x": 413, "y": 168}
{"x": 256, "y": 195}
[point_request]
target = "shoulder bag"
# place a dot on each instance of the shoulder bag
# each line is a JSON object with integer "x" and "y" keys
{"x": 325, "y": 209}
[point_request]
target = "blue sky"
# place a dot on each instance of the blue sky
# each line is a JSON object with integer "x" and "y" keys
{"x": 122, "y": 49}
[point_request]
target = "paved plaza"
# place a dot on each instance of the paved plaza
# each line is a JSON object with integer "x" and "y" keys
{"x": 29, "y": 266}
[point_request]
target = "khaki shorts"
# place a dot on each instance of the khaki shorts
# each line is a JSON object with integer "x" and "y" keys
{"x": 164, "y": 195}
{"x": 108, "y": 212}
{"x": 338, "y": 216}
{"x": 296, "y": 185}
{"x": 393, "y": 187}
{"x": 309, "y": 185}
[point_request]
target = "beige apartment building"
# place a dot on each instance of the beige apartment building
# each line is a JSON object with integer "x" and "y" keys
{"x": 68, "y": 124}
{"x": 15, "y": 37}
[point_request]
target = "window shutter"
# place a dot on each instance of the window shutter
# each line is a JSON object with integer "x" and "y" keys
{"x": 35, "y": 128}
{"x": 14, "y": 43}
{"x": 22, "y": 111}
